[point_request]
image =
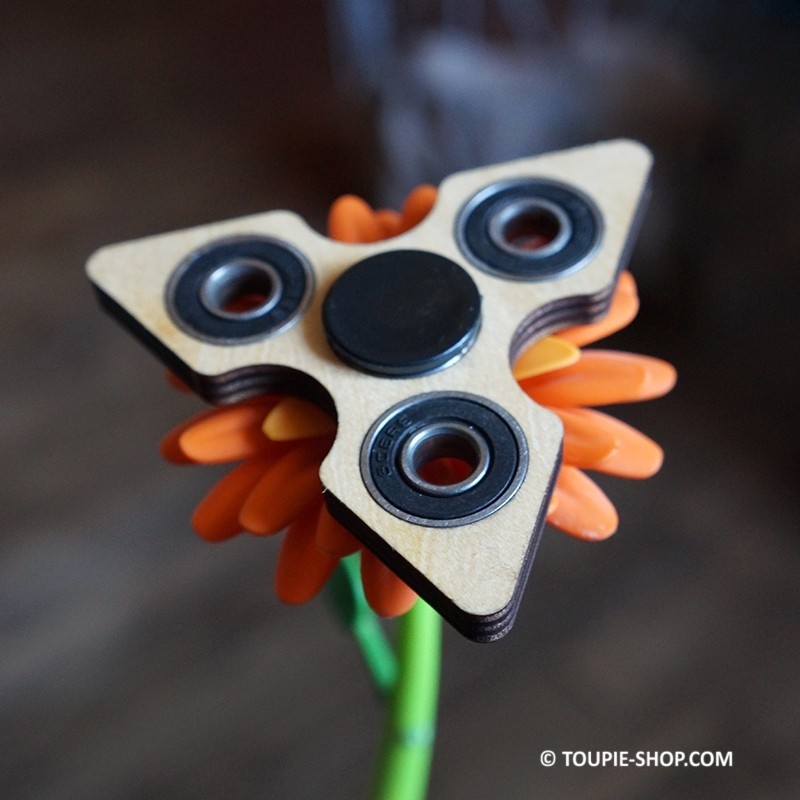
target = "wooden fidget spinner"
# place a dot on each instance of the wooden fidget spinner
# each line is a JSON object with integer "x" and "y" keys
{"x": 409, "y": 341}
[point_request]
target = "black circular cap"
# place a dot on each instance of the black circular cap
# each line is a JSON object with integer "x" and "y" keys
{"x": 402, "y": 313}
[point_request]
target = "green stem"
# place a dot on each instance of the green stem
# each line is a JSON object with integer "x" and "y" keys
{"x": 352, "y": 608}
{"x": 407, "y": 750}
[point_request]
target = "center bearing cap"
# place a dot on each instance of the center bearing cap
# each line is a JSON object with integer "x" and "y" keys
{"x": 402, "y": 313}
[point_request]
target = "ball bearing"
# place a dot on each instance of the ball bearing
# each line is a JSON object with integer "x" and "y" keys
{"x": 528, "y": 230}
{"x": 239, "y": 290}
{"x": 479, "y": 434}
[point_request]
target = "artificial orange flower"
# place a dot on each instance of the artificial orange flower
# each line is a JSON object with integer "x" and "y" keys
{"x": 281, "y": 441}
{"x": 569, "y": 381}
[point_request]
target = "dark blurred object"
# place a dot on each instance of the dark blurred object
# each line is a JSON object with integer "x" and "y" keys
{"x": 464, "y": 84}
{"x": 457, "y": 85}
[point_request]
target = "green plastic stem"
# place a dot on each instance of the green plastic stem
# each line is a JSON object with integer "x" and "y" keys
{"x": 352, "y": 608}
{"x": 407, "y": 751}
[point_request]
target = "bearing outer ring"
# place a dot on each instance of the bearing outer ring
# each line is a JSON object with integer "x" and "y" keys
{"x": 382, "y": 447}
{"x": 476, "y": 234}
{"x": 189, "y": 309}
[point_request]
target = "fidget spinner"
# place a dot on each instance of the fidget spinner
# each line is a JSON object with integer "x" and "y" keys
{"x": 409, "y": 342}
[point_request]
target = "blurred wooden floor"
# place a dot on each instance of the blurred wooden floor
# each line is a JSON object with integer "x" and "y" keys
{"x": 139, "y": 662}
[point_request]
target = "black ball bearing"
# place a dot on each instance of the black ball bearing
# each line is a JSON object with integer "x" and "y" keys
{"x": 240, "y": 289}
{"x": 527, "y": 230}
{"x": 444, "y": 425}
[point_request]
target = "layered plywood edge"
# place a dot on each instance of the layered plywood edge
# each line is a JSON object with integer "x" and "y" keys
{"x": 472, "y": 574}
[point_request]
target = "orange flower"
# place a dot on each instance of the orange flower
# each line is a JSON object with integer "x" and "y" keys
{"x": 281, "y": 441}
{"x": 557, "y": 374}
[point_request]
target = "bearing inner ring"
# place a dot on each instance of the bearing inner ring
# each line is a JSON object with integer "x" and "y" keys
{"x": 241, "y": 279}
{"x": 528, "y": 221}
{"x": 440, "y": 440}
{"x": 409, "y": 436}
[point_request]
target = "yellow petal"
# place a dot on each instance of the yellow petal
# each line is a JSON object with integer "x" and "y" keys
{"x": 293, "y": 418}
{"x": 544, "y": 356}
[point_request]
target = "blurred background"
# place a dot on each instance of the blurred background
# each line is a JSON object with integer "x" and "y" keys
{"x": 137, "y": 661}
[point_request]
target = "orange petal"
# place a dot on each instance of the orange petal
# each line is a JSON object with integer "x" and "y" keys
{"x": 176, "y": 383}
{"x": 385, "y": 592}
{"x": 293, "y": 418}
{"x": 285, "y": 490}
{"x": 626, "y": 283}
{"x": 602, "y": 377}
{"x": 227, "y": 434}
{"x": 217, "y": 515}
{"x": 389, "y": 221}
{"x": 417, "y": 205}
{"x": 333, "y": 538}
{"x": 582, "y": 509}
{"x": 302, "y": 570}
{"x": 585, "y": 444}
{"x": 170, "y": 445}
{"x": 634, "y": 455}
{"x": 622, "y": 311}
{"x": 546, "y": 355}
{"x": 352, "y": 220}
{"x": 660, "y": 378}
